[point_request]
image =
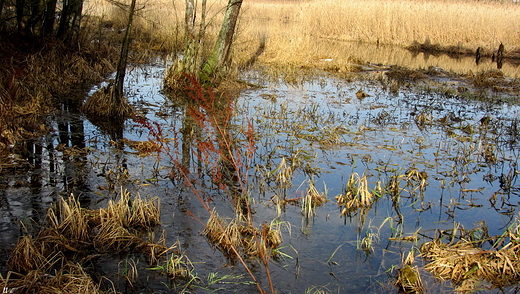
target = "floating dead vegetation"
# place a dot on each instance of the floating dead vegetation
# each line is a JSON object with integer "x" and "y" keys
{"x": 55, "y": 259}
{"x": 408, "y": 279}
{"x": 470, "y": 265}
{"x": 356, "y": 195}
{"x": 239, "y": 236}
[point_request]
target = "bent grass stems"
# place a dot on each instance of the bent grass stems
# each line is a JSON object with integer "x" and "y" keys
{"x": 72, "y": 237}
{"x": 212, "y": 116}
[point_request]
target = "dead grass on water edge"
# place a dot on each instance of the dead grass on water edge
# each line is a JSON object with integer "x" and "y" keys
{"x": 237, "y": 235}
{"x": 470, "y": 266}
{"x": 55, "y": 259}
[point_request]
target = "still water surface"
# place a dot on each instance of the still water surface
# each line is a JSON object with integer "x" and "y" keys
{"x": 334, "y": 133}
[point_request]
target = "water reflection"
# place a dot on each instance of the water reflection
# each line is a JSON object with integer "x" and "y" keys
{"x": 392, "y": 55}
{"x": 467, "y": 151}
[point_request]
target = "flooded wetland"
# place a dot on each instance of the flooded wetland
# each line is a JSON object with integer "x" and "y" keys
{"x": 333, "y": 159}
{"x": 354, "y": 174}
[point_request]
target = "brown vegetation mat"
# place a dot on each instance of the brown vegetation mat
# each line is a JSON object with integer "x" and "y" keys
{"x": 54, "y": 259}
{"x": 468, "y": 266}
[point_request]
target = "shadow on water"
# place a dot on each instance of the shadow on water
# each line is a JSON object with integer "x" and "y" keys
{"x": 323, "y": 132}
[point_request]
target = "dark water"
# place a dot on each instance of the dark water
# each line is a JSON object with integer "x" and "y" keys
{"x": 332, "y": 133}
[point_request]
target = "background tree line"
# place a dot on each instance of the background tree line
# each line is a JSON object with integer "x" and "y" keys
{"x": 35, "y": 20}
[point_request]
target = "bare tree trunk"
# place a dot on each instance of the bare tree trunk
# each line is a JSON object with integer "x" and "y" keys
{"x": 220, "y": 55}
{"x": 49, "y": 18}
{"x": 2, "y": 2}
{"x": 192, "y": 52}
{"x": 70, "y": 17}
{"x": 121, "y": 65}
{"x": 191, "y": 60}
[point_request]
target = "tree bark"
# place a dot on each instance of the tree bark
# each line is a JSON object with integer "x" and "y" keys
{"x": 70, "y": 17}
{"x": 49, "y": 20}
{"x": 219, "y": 57}
{"x": 121, "y": 65}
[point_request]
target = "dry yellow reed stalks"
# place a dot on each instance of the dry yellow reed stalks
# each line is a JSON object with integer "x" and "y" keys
{"x": 356, "y": 196}
{"x": 465, "y": 264}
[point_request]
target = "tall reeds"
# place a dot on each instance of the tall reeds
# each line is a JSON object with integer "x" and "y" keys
{"x": 294, "y": 29}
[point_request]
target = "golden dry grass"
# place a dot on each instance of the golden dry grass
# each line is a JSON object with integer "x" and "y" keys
{"x": 356, "y": 196}
{"x": 51, "y": 261}
{"x": 295, "y": 29}
{"x": 71, "y": 278}
{"x": 467, "y": 265}
{"x": 302, "y": 34}
{"x": 237, "y": 236}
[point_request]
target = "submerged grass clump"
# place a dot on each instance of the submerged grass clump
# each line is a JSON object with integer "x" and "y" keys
{"x": 408, "y": 279}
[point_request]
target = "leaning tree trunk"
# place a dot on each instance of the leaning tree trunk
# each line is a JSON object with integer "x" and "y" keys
{"x": 191, "y": 60}
{"x": 110, "y": 102}
{"x": 219, "y": 57}
{"x": 121, "y": 65}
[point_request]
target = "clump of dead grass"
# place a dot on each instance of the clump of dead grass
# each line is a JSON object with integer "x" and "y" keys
{"x": 312, "y": 199}
{"x": 71, "y": 278}
{"x": 470, "y": 266}
{"x": 72, "y": 236}
{"x": 237, "y": 236}
{"x": 356, "y": 195}
{"x": 105, "y": 103}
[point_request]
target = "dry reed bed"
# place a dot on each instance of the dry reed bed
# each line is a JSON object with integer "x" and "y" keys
{"x": 292, "y": 26}
{"x": 293, "y": 29}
